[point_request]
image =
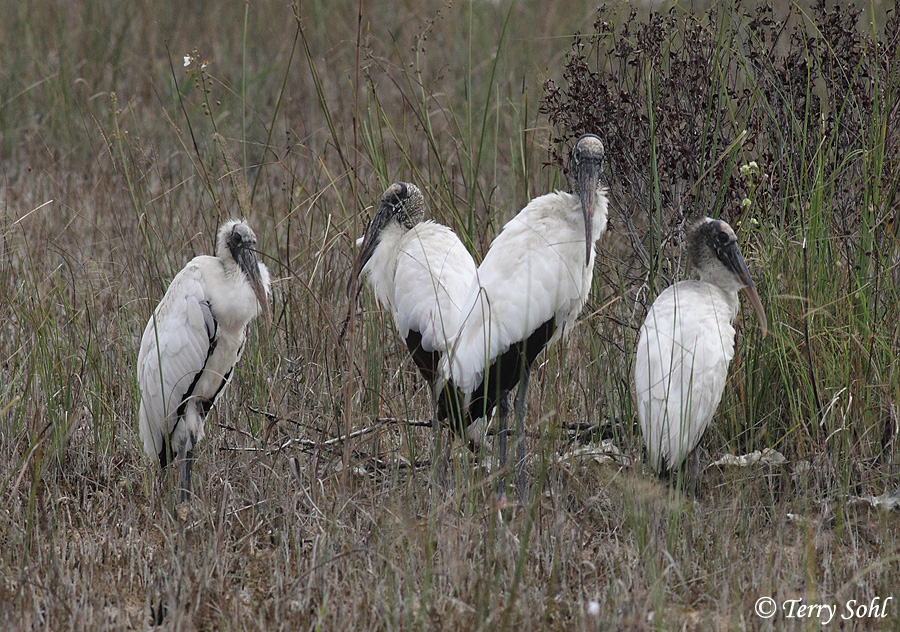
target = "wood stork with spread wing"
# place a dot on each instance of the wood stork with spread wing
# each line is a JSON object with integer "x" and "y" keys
{"x": 686, "y": 344}
{"x": 192, "y": 342}
{"x": 419, "y": 270}
{"x": 527, "y": 293}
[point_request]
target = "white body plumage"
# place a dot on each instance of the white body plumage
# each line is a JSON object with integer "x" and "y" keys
{"x": 533, "y": 273}
{"x": 192, "y": 342}
{"x": 421, "y": 276}
{"x": 683, "y": 353}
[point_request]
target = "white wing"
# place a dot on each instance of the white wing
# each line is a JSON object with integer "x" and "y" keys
{"x": 686, "y": 344}
{"x": 174, "y": 349}
{"x": 534, "y": 271}
{"x": 433, "y": 275}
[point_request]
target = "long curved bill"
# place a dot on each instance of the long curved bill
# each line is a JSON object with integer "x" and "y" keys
{"x": 738, "y": 266}
{"x": 587, "y": 180}
{"x": 369, "y": 243}
{"x": 250, "y": 265}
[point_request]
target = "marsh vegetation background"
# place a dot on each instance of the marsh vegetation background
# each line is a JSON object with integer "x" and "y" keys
{"x": 128, "y": 131}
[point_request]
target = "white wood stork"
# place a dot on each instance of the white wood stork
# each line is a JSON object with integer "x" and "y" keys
{"x": 686, "y": 344}
{"x": 419, "y": 270}
{"x": 528, "y": 291}
{"x": 193, "y": 341}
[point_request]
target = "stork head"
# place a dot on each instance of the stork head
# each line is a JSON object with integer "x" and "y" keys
{"x": 401, "y": 204}
{"x": 237, "y": 242}
{"x": 714, "y": 253}
{"x": 587, "y": 165}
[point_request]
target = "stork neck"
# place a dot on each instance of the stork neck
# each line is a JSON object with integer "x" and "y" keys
{"x": 729, "y": 296}
{"x": 231, "y": 268}
{"x": 722, "y": 279}
{"x": 388, "y": 242}
{"x": 601, "y": 210}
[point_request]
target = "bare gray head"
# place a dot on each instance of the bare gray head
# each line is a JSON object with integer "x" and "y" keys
{"x": 401, "y": 204}
{"x": 587, "y": 165}
{"x": 237, "y": 245}
{"x": 403, "y": 201}
{"x": 714, "y": 253}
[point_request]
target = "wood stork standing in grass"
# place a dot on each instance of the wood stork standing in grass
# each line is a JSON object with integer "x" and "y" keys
{"x": 193, "y": 341}
{"x": 528, "y": 291}
{"x": 686, "y": 344}
{"x": 419, "y": 270}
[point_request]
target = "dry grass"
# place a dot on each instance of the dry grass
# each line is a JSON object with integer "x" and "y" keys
{"x": 111, "y": 178}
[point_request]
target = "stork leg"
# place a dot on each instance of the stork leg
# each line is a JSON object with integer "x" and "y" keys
{"x": 502, "y": 413}
{"x": 521, "y": 409}
{"x": 694, "y": 485}
{"x": 435, "y": 425}
{"x": 186, "y": 464}
{"x": 439, "y": 464}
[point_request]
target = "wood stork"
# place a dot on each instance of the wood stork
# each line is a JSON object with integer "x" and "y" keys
{"x": 527, "y": 293}
{"x": 419, "y": 270}
{"x": 686, "y": 344}
{"x": 193, "y": 341}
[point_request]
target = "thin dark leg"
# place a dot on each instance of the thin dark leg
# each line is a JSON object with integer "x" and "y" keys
{"x": 667, "y": 476}
{"x": 521, "y": 409}
{"x": 502, "y": 412}
{"x": 695, "y": 473}
{"x": 436, "y": 427}
{"x": 435, "y": 424}
{"x": 185, "y": 466}
{"x": 438, "y": 465}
